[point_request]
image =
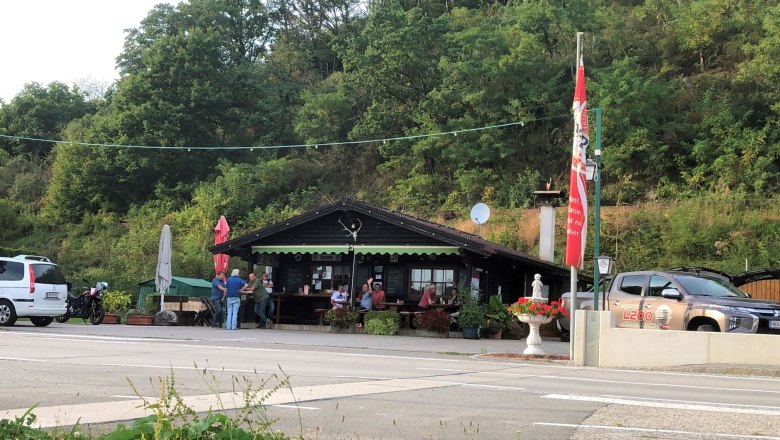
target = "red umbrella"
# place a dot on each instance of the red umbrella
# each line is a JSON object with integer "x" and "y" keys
{"x": 221, "y": 236}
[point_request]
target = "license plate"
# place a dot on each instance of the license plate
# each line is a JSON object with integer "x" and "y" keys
{"x": 52, "y": 295}
{"x": 774, "y": 324}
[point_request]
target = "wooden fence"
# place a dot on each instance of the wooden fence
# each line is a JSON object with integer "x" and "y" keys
{"x": 764, "y": 289}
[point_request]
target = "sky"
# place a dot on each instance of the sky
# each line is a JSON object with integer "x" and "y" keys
{"x": 63, "y": 40}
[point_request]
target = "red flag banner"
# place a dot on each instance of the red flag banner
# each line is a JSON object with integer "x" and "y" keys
{"x": 576, "y": 224}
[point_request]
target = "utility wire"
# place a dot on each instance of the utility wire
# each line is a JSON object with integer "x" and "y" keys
{"x": 277, "y": 147}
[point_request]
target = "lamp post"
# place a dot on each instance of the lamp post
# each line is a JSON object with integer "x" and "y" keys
{"x": 597, "y": 209}
{"x": 603, "y": 267}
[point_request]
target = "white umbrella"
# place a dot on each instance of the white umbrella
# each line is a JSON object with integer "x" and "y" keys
{"x": 163, "y": 278}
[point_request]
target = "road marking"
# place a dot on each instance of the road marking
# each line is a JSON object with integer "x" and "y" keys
{"x": 310, "y": 408}
{"x": 663, "y": 404}
{"x": 673, "y": 385}
{"x": 444, "y": 369}
{"x": 107, "y": 364}
{"x": 691, "y": 401}
{"x": 498, "y": 387}
{"x": 657, "y": 431}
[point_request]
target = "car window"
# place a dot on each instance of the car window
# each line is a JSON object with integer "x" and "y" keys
{"x": 707, "y": 286}
{"x": 657, "y": 285}
{"x": 11, "y": 271}
{"x": 48, "y": 274}
{"x": 632, "y": 284}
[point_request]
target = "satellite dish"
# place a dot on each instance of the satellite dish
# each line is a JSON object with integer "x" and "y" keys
{"x": 480, "y": 213}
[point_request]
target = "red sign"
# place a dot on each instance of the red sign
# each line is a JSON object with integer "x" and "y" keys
{"x": 577, "y": 221}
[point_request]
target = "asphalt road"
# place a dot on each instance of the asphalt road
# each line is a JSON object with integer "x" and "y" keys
{"x": 369, "y": 387}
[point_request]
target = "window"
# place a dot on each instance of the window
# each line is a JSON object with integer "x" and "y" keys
{"x": 47, "y": 274}
{"x": 658, "y": 284}
{"x": 329, "y": 277}
{"x": 11, "y": 271}
{"x": 632, "y": 284}
{"x": 421, "y": 278}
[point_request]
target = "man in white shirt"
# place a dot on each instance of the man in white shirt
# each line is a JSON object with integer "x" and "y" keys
{"x": 339, "y": 297}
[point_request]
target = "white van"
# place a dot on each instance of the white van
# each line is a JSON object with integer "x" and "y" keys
{"x": 31, "y": 287}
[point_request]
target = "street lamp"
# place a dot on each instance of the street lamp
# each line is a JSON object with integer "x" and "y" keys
{"x": 604, "y": 266}
{"x": 590, "y": 170}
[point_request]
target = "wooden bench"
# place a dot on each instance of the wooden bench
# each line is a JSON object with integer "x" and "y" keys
{"x": 407, "y": 317}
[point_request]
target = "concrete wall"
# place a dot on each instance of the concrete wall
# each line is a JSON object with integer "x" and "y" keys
{"x": 599, "y": 343}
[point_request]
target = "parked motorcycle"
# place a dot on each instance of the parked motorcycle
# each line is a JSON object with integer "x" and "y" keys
{"x": 88, "y": 305}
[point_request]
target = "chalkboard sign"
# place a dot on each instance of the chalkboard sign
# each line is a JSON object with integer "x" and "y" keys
{"x": 394, "y": 282}
{"x": 293, "y": 279}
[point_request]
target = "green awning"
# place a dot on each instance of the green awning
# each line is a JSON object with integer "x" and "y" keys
{"x": 359, "y": 249}
{"x": 410, "y": 250}
{"x": 302, "y": 249}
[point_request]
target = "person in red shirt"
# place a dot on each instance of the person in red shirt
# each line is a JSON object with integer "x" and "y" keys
{"x": 378, "y": 296}
{"x": 428, "y": 297}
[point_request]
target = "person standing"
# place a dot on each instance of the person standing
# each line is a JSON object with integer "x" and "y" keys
{"x": 218, "y": 291}
{"x": 261, "y": 301}
{"x": 234, "y": 284}
{"x": 269, "y": 287}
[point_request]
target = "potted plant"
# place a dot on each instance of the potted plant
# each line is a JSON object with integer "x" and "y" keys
{"x": 115, "y": 301}
{"x": 143, "y": 315}
{"x": 496, "y": 316}
{"x": 342, "y": 320}
{"x": 434, "y": 323}
{"x": 471, "y": 316}
{"x": 536, "y": 313}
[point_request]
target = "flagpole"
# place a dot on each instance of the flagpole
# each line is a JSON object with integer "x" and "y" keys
{"x": 573, "y": 280}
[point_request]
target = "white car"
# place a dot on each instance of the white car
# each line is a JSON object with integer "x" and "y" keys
{"x": 33, "y": 287}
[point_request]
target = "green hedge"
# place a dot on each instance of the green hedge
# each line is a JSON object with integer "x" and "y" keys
{"x": 382, "y": 323}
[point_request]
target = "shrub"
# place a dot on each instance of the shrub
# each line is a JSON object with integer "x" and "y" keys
{"x": 382, "y": 323}
{"x": 433, "y": 320}
{"x": 342, "y": 318}
{"x": 116, "y": 300}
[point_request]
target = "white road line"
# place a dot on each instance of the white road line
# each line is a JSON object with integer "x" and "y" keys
{"x": 672, "y": 385}
{"x": 443, "y": 369}
{"x": 657, "y": 431}
{"x": 310, "y": 408}
{"x": 498, "y": 387}
{"x": 663, "y": 404}
{"x": 692, "y": 401}
{"x": 108, "y": 364}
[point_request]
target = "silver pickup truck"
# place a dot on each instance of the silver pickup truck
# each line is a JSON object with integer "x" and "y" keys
{"x": 678, "y": 300}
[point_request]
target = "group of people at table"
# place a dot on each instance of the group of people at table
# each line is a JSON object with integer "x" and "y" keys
{"x": 231, "y": 289}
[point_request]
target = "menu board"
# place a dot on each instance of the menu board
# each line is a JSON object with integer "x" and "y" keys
{"x": 293, "y": 279}
{"x": 394, "y": 281}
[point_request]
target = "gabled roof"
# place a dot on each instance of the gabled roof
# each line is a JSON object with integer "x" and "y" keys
{"x": 437, "y": 231}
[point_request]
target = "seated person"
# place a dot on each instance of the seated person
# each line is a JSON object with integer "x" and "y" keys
{"x": 378, "y": 297}
{"x": 339, "y": 297}
{"x": 366, "y": 301}
{"x": 454, "y": 298}
{"x": 428, "y": 297}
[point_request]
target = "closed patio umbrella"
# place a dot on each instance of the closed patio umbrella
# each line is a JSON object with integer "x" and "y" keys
{"x": 164, "y": 274}
{"x": 221, "y": 236}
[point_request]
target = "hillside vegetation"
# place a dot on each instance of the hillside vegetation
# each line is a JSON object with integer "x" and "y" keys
{"x": 689, "y": 89}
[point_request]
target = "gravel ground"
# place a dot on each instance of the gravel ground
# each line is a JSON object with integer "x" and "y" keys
{"x": 694, "y": 424}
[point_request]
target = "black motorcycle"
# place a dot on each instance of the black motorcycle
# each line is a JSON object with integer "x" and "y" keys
{"x": 88, "y": 305}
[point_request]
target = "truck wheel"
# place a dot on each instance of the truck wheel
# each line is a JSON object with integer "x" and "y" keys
{"x": 705, "y": 328}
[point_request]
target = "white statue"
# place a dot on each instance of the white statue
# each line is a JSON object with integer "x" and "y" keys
{"x": 537, "y": 287}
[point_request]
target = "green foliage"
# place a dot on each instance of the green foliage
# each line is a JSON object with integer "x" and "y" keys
{"x": 22, "y": 428}
{"x": 115, "y": 301}
{"x": 496, "y": 314}
{"x": 382, "y": 323}
{"x": 471, "y": 314}
{"x": 342, "y": 318}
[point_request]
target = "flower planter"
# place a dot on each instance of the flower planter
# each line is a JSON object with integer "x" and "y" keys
{"x": 471, "y": 332}
{"x": 336, "y": 329}
{"x": 534, "y": 340}
{"x": 139, "y": 319}
{"x": 111, "y": 319}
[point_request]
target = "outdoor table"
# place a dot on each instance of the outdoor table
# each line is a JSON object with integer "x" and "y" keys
{"x": 396, "y": 306}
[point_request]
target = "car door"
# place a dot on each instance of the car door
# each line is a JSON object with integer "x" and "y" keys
{"x": 625, "y": 300}
{"x": 12, "y": 281}
{"x": 660, "y": 312}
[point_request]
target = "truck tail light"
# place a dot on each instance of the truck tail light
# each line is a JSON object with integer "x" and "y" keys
{"x": 32, "y": 279}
